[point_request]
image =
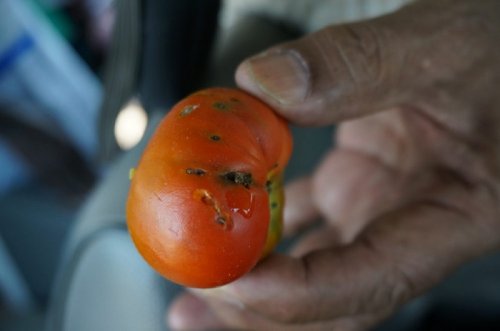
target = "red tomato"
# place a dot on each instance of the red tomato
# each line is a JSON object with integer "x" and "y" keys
{"x": 206, "y": 199}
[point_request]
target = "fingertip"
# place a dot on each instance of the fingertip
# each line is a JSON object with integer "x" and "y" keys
{"x": 244, "y": 79}
{"x": 339, "y": 193}
{"x": 318, "y": 239}
{"x": 299, "y": 210}
{"x": 281, "y": 79}
{"x": 281, "y": 75}
{"x": 351, "y": 189}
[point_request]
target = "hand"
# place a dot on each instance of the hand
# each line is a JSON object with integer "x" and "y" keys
{"x": 410, "y": 192}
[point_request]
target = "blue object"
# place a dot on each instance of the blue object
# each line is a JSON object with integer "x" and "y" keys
{"x": 20, "y": 46}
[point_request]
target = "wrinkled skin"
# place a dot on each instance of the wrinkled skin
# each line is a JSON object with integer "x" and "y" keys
{"x": 410, "y": 192}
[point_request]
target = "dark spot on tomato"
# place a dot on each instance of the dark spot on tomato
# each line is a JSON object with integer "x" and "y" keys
{"x": 220, "y": 105}
{"x": 235, "y": 100}
{"x": 195, "y": 171}
{"x": 269, "y": 186}
{"x": 221, "y": 220}
{"x": 225, "y": 221}
{"x": 238, "y": 177}
{"x": 221, "y": 217}
{"x": 215, "y": 137}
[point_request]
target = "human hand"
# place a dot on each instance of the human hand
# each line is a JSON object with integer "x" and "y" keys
{"x": 410, "y": 192}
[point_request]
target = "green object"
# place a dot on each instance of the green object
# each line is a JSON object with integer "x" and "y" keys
{"x": 57, "y": 19}
{"x": 131, "y": 173}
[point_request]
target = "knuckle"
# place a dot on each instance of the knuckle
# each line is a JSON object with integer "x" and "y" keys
{"x": 283, "y": 309}
{"x": 397, "y": 286}
{"x": 283, "y": 313}
{"x": 359, "y": 51}
{"x": 284, "y": 316}
{"x": 286, "y": 313}
{"x": 403, "y": 289}
{"x": 389, "y": 295}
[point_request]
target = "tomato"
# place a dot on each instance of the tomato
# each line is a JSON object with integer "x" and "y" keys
{"x": 205, "y": 203}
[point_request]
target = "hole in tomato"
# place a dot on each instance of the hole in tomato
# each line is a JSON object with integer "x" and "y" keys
{"x": 215, "y": 137}
{"x": 195, "y": 171}
{"x": 220, "y": 105}
{"x": 238, "y": 177}
{"x": 269, "y": 186}
{"x": 221, "y": 218}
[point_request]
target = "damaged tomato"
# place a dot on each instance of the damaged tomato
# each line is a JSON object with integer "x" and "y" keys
{"x": 206, "y": 199}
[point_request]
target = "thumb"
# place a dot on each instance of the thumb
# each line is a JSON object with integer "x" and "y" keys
{"x": 345, "y": 71}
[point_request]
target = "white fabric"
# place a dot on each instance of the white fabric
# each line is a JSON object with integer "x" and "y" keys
{"x": 309, "y": 15}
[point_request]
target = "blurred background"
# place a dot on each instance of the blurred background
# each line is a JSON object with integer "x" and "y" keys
{"x": 51, "y": 61}
{"x": 82, "y": 85}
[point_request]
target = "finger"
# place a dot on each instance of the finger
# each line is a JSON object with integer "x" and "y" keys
{"x": 237, "y": 317}
{"x": 299, "y": 211}
{"x": 317, "y": 239}
{"x": 355, "y": 69}
{"x": 374, "y": 169}
{"x": 396, "y": 259}
{"x": 351, "y": 189}
{"x": 189, "y": 312}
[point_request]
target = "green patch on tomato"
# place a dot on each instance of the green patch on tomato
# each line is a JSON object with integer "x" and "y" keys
{"x": 274, "y": 187}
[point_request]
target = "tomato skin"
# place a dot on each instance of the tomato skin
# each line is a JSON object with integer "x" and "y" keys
{"x": 199, "y": 203}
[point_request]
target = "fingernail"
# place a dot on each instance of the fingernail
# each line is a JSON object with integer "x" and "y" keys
{"x": 282, "y": 75}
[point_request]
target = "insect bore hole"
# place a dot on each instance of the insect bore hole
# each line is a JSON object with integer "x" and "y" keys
{"x": 222, "y": 218}
{"x": 239, "y": 178}
{"x": 195, "y": 171}
{"x": 269, "y": 186}
{"x": 220, "y": 105}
